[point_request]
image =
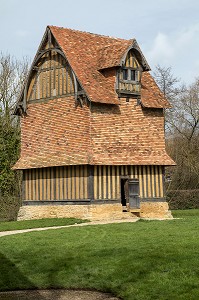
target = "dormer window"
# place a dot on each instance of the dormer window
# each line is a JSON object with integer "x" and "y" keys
{"x": 129, "y": 76}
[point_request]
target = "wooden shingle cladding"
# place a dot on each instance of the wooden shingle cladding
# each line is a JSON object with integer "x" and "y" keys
{"x": 72, "y": 183}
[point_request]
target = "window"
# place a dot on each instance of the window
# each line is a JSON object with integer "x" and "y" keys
{"x": 129, "y": 74}
{"x": 125, "y": 74}
{"x": 132, "y": 75}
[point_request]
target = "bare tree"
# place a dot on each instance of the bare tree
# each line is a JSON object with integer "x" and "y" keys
{"x": 182, "y": 128}
{"x": 171, "y": 87}
{"x": 185, "y": 113}
{"x": 166, "y": 81}
{"x": 12, "y": 77}
{"x": 185, "y": 124}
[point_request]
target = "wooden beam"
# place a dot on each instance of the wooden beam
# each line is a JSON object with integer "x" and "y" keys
{"x": 91, "y": 182}
{"x": 49, "y": 38}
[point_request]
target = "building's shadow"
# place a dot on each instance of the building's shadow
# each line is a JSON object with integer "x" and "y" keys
{"x": 12, "y": 278}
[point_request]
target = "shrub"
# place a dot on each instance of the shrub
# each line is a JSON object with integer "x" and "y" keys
{"x": 9, "y": 207}
{"x": 183, "y": 199}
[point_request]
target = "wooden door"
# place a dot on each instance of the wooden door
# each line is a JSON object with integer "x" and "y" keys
{"x": 134, "y": 198}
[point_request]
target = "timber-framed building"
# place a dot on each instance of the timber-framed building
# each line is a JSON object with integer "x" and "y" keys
{"x": 92, "y": 130}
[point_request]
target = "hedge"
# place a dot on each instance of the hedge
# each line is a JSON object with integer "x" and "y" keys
{"x": 9, "y": 207}
{"x": 183, "y": 199}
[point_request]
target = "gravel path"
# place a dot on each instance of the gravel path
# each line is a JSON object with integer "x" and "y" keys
{"x": 4, "y": 233}
{"x": 55, "y": 294}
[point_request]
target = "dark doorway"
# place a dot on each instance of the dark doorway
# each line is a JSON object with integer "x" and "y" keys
{"x": 124, "y": 191}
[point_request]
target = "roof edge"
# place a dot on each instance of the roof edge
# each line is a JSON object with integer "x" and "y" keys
{"x": 136, "y": 47}
{"x": 74, "y": 75}
{"x": 20, "y": 104}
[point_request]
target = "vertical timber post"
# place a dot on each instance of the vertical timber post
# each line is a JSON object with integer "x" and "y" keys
{"x": 23, "y": 187}
{"x": 90, "y": 182}
{"x": 163, "y": 182}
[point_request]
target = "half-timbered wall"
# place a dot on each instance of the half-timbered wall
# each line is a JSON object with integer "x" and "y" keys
{"x": 107, "y": 181}
{"x": 52, "y": 78}
{"x": 56, "y": 183}
{"x": 72, "y": 182}
{"x": 130, "y": 85}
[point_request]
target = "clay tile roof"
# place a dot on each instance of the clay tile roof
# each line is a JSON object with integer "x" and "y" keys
{"x": 110, "y": 56}
{"x": 82, "y": 52}
{"x": 151, "y": 96}
{"x": 88, "y": 53}
{"x": 82, "y": 136}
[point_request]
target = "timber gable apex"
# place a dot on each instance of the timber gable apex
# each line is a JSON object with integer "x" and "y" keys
{"x": 48, "y": 47}
{"x": 139, "y": 55}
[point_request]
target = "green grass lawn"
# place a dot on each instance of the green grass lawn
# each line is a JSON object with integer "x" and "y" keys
{"x": 17, "y": 225}
{"x": 185, "y": 213}
{"x": 142, "y": 260}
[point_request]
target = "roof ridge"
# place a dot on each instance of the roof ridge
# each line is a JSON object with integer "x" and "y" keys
{"x": 95, "y": 34}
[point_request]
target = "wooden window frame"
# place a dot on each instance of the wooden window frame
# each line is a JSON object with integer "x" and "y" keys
{"x": 129, "y": 70}
{"x": 124, "y": 87}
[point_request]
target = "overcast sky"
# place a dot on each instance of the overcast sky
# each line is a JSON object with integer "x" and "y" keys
{"x": 166, "y": 30}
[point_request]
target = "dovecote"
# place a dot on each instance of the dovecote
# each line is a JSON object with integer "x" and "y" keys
{"x": 92, "y": 130}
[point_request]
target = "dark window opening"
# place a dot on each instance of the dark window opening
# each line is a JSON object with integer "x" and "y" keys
{"x": 125, "y": 74}
{"x": 129, "y": 75}
{"x": 129, "y": 81}
{"x": 132, "y": 75}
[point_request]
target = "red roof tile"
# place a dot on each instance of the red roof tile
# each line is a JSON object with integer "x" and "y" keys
{"x": 82, "y": 51}
{"x": 151, "y": 96}
{"x": 87, "y": 53}
{"x": 110, "y": 56}
{"x": 58, "y": 132}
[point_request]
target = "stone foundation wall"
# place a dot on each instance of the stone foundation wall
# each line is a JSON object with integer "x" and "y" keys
{"x": 155, "y": 210}
{"x": 90, "y": 212}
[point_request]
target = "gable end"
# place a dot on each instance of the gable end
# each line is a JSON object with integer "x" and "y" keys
{"x": 50, "y": 76}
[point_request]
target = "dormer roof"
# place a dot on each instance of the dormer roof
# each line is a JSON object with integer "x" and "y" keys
{"x": 89, "y": 54}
